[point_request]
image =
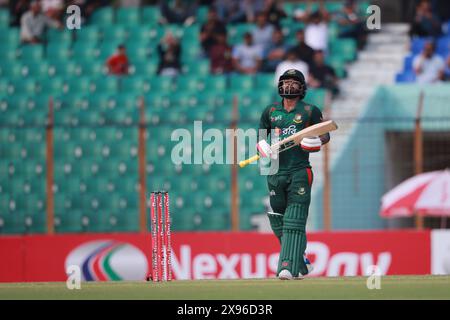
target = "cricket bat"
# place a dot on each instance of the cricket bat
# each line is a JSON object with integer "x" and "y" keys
{"x": 295, "y": 139}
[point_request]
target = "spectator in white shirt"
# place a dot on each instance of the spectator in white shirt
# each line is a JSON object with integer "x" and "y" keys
{"x": 247, "y": 57}
{"x": 262, "y": 33}
{"x": 428, "y": 66}
{"x": 33, "y": 24}
{"x": 53, "y": 8}
{"x": 291, "y": 62}
{"x": 316, "y": 32}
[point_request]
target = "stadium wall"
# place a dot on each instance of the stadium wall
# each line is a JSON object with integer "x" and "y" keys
{"x": 212, "y": 255}
{"x": 358, "y": 172}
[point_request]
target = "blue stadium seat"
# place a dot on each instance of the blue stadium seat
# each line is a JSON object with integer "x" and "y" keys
{"x": 417, "y": 45}
{"x": 405, "y": 77}
{"x": 408, "y": 63}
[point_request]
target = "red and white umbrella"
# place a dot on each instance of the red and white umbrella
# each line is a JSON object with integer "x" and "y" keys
{"x": 425, "y": 194}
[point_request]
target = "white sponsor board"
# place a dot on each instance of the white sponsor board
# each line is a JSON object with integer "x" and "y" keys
{"x": 440, "y": 252}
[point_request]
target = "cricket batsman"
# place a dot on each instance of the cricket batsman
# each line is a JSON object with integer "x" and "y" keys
{"x": 290, "y": 186}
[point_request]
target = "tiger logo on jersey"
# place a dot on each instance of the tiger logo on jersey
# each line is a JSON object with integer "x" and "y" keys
{"x": 298, "y": 118}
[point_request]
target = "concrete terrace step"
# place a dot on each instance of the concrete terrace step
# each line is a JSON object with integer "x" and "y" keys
{"x": 377, "y": 64}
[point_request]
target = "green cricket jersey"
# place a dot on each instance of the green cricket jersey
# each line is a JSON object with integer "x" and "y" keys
{"x": 303, "y": 115}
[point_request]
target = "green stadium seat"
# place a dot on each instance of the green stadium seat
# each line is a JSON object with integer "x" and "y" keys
{"x": 82, "y": 51}
{"x": 333, "y": 31}
{"x": 91, "y": 68}
{"x": 125, "y": 221}
{"x": 3, "y": 88}
{"x": 34, "y": 70}
{"x": 200, "y": 114}
{"x": 88, "y": 34}
{"x": 215, "y": 83}
{"x": 64, "y": 69}
{"x": 11, "y": 37}
{"x": 138, "y": 52}
{"x": 11, "y": 71}
{"x": 338, "y": 65}
{"x": 67, "y": 222}
{"x": 58, "y": 52}
{"x": 140, "y": 34}
{"x": 264, "y": 82}
{"x": 215, "y": 220}
{"x": 202, "y": 14}
{"x": 199, "y": 67}
{"x": 145, "y": 69}
{"x": 103, "y": 16}
{"x": 23, "y": 86}
{"x": 98, "y": 221}
{"x": 128, "y": 16}
{"x": 15, "y": 103}
{"x": 344, "y": 48}
{"x": 150, "y": 15}
{"x": 98, "y": 101}
{"x": 107, "y": 49}
{"x": 136, "y": 85}
{"x": 60, "y": 36}
{"x": 175, "y": 29}
{"x": 124, "y": 101}
{"x": 186, "y": 220}
{"x": 161, "y": 84}
{"x": 4, "y": 19}
{"x": 188, "y": 83}
{"x": 105, "y": 84}
{"x": 13, "y": 223}
{"x": 316, "y": 97}
{"x": 241, "y": 82}
{"x": 80, "y": 85}
{"x": 8, "y": 54}
{"x": 333, "y": 7}
{"x": 191, "y": 50}
{"x": 114, "y": 34}
{"x": 225, "y": 100}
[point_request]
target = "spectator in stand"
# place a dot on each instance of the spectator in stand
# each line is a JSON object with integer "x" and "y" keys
{"x": 316, "y": 32}
{"x": 274, "y": 12}
{"x": 239, "y": 11}
{"x": 322, "y": 75}
{"x": 252, "y": 9}
{"x": 53, "y": 9}
{"x": 425, "y": 23}
{"x": 247, "y": 57}
{"x": 220, "y": 55}
{"x": 16, "y": 10}
{"x": 231, "y": 11}
{"x": 118, "y": 63}
{"x": 212, "y": 27}
{"x": 262, "y": 32}
{"x": 130, "y": 3}
{"x": 169, "y": 51}
{"x": 178, "y": 11}
{"x": 304, "y": 52}
{"x": 351, "y": 24}
{"x": 89, "y": 6}
{"x": 33, "y": 24}
{"x": 291, "y": 61}
{"x": 428, "y": 66}
{"x": 275, "y": 52}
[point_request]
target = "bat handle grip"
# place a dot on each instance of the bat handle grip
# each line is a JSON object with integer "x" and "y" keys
{"x": 244, "y": 163}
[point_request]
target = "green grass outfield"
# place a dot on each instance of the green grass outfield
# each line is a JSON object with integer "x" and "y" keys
{"x": 392, "y": 287}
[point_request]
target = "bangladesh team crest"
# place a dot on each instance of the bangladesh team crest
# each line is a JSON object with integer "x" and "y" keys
{"x": 298, "y": 118}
